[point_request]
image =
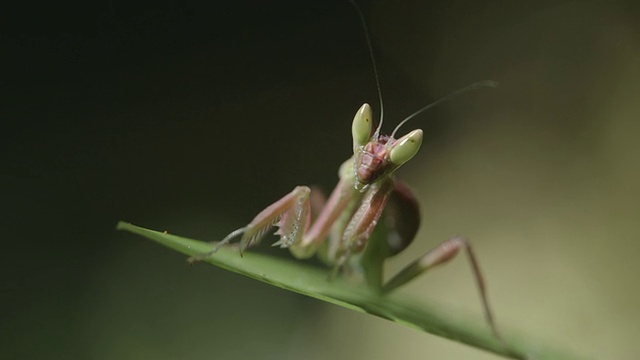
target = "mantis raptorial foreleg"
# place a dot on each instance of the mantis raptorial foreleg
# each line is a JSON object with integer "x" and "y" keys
{"x": 291, "y": 214}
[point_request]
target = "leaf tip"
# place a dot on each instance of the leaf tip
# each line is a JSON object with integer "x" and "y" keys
{"x": 121, "y": 225}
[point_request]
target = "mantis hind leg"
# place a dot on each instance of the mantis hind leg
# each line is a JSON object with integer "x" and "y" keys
{"x": 440, "y": 255}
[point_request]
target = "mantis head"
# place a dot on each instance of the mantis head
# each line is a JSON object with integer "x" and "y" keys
{"x": 377, "y": 156}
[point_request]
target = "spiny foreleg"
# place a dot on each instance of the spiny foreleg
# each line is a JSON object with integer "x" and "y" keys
{"x": 291, "y": 214}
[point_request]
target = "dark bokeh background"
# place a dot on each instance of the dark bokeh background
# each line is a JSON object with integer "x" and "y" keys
{"x": 193, "y": 117}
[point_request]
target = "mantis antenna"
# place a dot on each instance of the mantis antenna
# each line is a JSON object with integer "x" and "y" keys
{"x": 373, "y": 62}
{"x": 474, "y": 86}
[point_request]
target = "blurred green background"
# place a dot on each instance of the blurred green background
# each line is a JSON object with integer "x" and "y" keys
{"x": 193, "y": 117}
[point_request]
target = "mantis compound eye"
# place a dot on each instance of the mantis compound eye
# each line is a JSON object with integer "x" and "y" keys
{"x": 406, "y": 147}
{"x": 361, "y": 126}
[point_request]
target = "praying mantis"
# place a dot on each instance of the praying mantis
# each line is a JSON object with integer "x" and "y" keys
{"x": 369, "y": 216}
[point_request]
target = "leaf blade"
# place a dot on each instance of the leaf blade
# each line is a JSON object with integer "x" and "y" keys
{"x": 312, "y": 281}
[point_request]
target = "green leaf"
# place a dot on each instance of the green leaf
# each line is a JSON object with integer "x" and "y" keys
{"x": 314, "y": 282}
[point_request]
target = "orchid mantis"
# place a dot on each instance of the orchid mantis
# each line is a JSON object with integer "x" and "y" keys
{"x": 345, "y": 234}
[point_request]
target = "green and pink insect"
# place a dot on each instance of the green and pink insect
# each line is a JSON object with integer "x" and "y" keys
{"x": 370, "y": 215}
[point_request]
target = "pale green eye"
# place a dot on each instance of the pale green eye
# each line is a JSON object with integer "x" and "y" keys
{"x": 406, "y": 147}
{"x": 361, "y": 127}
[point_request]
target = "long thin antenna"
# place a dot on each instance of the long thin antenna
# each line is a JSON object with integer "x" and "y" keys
{"x": 474, "y": 86}
{"x": 373, "y": 62}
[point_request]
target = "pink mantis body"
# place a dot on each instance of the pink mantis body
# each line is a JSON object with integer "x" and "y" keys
{"x": 345, "y": 234}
